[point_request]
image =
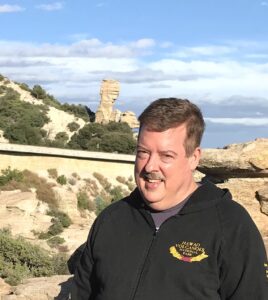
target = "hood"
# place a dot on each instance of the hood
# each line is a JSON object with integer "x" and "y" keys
{"x": 207, "y": 195}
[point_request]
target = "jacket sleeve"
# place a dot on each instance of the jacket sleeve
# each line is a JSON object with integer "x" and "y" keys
{"x": 243, "y": 259}
{"x": 81, "y": 288}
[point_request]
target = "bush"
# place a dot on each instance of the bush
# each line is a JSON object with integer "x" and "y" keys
{"x": 100, "y": 204}
{"x": 53, "y": 173}
{"x": 62, "y": 180}
{"x": 117, "y": 193}
{"x": 23, "y": 133}
{"x": 62, "y": 137}
{"x": 103, "y": 181}
{"x": 55, "y": 241}
{"x": 73, "y": 126}
{"x": 118, "y": 142}
{"x": 9, "y": 174}
{"x": 63, "y": 218}
{"x": 24, "y": 87}
{"x": 82, "y": 200}
{"x": 79, "y": 110}
{"x": 44, "y": 191}
{"x": 38, "y": 92}
{"x": 19, "y": 260}
{"x": 55, "y": 228}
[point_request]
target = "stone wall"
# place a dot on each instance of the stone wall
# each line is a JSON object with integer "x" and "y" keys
{"x": 40, "y": 159}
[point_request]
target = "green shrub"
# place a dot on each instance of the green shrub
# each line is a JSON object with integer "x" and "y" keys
{"x": 62, "y": 137}
{"x": 19, "y": 260}
{"x": 23, "y": 133}
{"x": 73, "y": 126}
{"x": 24, "y": 87}
{"x": 63, "y": 218}
{"x": 117, "y": 193}
{"x": 79, "y": 110}
{"x": 82, "y": 200}
{"x": 1, "y": 77}
{"x": 100, "y": 204}
{"x": 55, "y": 241}
{"x": 62, "y": 180}
{"x": 38, "y": 92}
{"x": 9, "y": 174}
{"x": 55, "y": 228}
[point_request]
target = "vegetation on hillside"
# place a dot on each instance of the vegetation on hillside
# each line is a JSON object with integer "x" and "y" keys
{"x": 20, "y": 260}
{"x": 22, "y": 123}
{"x": 112, "y": 137}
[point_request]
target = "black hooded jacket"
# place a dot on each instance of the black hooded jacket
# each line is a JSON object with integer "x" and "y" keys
{"x": 210, "y": 250}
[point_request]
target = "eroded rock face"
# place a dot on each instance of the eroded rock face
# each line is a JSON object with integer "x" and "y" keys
{"x": 5, "y": 288}
{"x": 109, "y": 92}
{"x": 40, "y": 288}
{"x": 237, "y": 160}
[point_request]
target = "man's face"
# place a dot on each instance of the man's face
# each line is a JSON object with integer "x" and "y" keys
{"x": 163, "y": 172}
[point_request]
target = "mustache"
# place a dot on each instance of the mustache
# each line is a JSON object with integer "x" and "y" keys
{"x": 153, "y": 176}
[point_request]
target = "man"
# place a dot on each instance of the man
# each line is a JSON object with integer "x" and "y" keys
{"x": 172, "y": 238}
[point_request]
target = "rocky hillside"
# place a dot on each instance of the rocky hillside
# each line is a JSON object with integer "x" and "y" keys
{"x": 31, "y": 116}
{"x": 58, "y": 120}
{"x": 242, "y": 168}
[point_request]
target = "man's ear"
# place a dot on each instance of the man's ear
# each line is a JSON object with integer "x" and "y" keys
{"x": 194, "y": 158}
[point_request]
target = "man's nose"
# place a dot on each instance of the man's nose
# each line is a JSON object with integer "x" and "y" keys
{"x": 152, "y": 164}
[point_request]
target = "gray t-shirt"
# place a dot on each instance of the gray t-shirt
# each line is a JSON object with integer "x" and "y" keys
{"x": 161, "y": 216}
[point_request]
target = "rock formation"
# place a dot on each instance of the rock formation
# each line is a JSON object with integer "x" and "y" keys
{"x": 109, "y": 92}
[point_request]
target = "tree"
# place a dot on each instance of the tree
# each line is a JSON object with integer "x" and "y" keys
{"x": 38, "y": 92}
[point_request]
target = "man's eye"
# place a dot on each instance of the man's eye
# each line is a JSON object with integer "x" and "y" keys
{"x": 142, "y": 154}
{"x": 166, "y": 157}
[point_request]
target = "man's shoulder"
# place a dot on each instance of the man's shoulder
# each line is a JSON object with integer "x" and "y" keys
{"x": 234, "y": 218}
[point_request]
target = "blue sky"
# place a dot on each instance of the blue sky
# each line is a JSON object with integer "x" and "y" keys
{"x": 212, "y": 52}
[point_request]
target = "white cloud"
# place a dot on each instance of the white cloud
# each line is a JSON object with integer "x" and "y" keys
{"x": 6, "y": 8}
{"x": 51, "y": 6}
{"x": 82, "y": 48}
{"x": 204, "y": 51}
{"x": 70, "y": 70}
{"x": 239, "y": 121}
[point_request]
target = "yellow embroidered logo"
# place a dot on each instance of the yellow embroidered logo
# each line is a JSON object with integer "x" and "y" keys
{"x": 266, "y": 268}
{"x": 188, "y": 251}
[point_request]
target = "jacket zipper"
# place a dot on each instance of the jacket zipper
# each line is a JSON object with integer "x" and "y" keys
{"x": 156, "y": 230}
{"x": 143, "y": 265}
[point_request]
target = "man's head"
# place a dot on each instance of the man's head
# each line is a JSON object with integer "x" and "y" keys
{"x": 166, "y": 113}
{"x": 168, "y": 151}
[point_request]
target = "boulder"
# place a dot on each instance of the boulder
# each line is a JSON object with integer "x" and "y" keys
{"x": 130, "y": 118}
{"x": 67, "y": 202}
{"x": 41, "y": 288}
{"x": 236, "y": 160}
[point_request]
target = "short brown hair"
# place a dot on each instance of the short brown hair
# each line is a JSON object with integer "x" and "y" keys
{"x": 166, "y": 113}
